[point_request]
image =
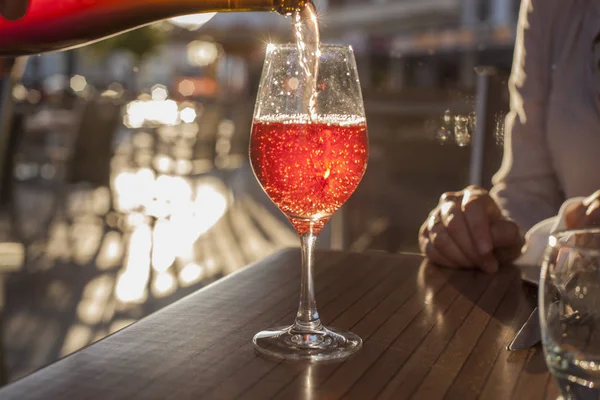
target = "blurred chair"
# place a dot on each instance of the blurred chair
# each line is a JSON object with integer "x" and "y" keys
{"x": 93, "y": 144}
{"x": 11, "y": 254}
{"x": 46, "y": 142}
{"x": 11, "y": 70}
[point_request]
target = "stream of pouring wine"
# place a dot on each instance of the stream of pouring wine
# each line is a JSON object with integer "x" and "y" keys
{"x": 308, "y": 39}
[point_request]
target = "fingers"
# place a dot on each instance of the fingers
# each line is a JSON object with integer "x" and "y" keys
{"x": 444, "y": 244}
{"x": 434, "y": 256}
{"x": 454, "y": 221}
{"x": 436, "y": 244}
{"x": 585, "y": 213}
{"x": 592, "y": 214}
{"x": 465, "y": 228}
{"x": 575, "y": 215}
{"x": 506, "y": 233}
{"x": 427, "y": 247}
{"x": 450, "y": 197}
{"x": 433, "y": 220}
{"x": 590, "y": 199}
{"x": 480, "y": 211}
{"x": 508, "y": 240}
{"x": 474, "y": 209}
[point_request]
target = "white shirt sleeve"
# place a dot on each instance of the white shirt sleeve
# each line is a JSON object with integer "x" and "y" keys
{"x": 526, "y": 186}
{"x": 537, "y": 237}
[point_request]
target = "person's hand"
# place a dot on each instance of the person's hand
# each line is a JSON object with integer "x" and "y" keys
{"x": 13, "y": 9}
{"x": 467, "y": 230}
{"x": 585, "y": 213}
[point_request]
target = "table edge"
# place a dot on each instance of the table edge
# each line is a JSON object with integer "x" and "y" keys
{"x": 280, "y": 253}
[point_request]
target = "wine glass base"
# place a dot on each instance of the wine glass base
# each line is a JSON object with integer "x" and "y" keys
{"x": 324, "y": 344}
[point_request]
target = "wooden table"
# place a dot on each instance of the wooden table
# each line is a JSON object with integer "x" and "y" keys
{"x": 428, "y": 333}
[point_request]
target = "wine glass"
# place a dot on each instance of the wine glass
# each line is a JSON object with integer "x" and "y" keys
{"x": 309, "y": 159}
{"x": 570, "y": 311}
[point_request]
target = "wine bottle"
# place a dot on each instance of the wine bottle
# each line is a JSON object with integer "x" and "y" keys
{"x": 50, "y": 25}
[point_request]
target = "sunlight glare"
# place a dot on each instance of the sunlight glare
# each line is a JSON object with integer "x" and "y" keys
{"x": 163, "y": 285}
{"x": 163, "y": 163}
{"x": 111, "y": 251}
{"x": 86, "y": 235}
{"x": 131, "y": 284}
{"x": 99, "y": 288}
{"x": 154, "y": 112}
{"x": 101, "y": 200}
{"x": 173, "y": 190}
{"x": 77, "y": 337}
{"x": 211, "y": 266}
{"x": 12, "y": 256}
{"x": 133, "y": 189}
{"x": 191, "y": 274}
{"x": 211, "y": 204}
{"x": 59, "y": 235}
{"x": 130, "y": 288}
{"x": 165, "y": 240}
{"x": 183, "y": 167}
{"x": 135, "y": 219}
{"x": 90, "y": 311}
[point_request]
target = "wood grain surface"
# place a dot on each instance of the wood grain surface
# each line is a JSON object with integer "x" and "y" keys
{"x": 429, "y": 333}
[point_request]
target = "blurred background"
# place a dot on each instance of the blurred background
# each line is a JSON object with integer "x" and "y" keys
{"x": 127, "y": 184}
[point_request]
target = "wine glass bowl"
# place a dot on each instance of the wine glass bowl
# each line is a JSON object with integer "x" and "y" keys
{"x": 309, "y": 165}
{"x": 309, "y": 155}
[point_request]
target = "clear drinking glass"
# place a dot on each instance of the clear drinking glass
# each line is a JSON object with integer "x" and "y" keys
{"x": 308, "y": 164}
{"x": 570, "y": 311}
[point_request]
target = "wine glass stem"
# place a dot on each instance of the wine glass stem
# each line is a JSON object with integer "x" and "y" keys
{"x": 307, "y": 318}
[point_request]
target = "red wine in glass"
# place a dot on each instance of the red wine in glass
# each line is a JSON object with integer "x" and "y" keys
{"x": 309, "y": 169}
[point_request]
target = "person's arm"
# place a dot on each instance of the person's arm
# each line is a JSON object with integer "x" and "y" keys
{"x": 526, "y": 187}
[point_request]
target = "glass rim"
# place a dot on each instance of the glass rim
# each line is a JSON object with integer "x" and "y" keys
{"x": 557, "y": 239}
{"x": 323, "y": 46}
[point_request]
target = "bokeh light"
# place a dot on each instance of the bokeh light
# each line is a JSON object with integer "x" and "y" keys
{"x": 193, "y": 21}
{"x": 202, "y": 53}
